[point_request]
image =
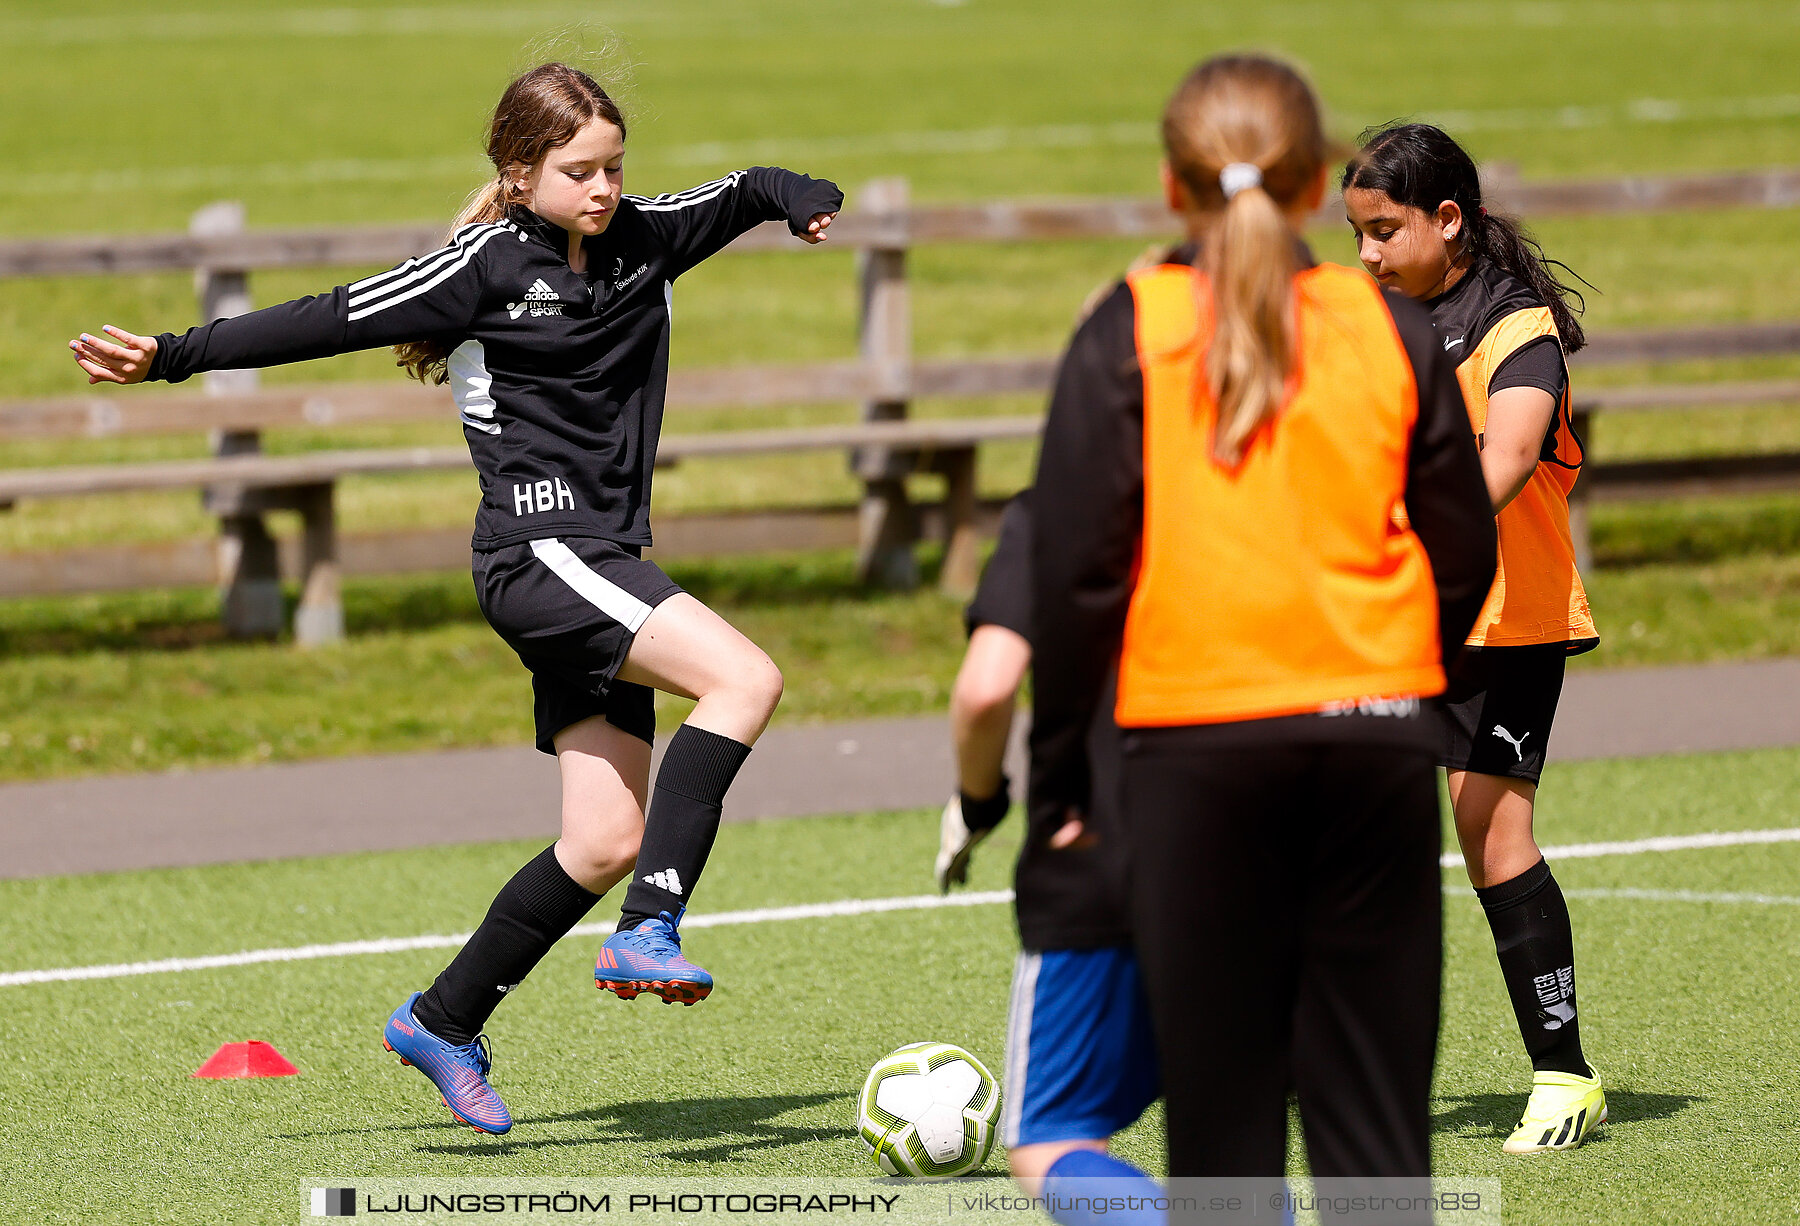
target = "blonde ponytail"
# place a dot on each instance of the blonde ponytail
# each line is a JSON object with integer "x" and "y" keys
{"x": 1250, "y": 267}
{"x": 1245, "y": 138}
{"x": 539, "y": 111}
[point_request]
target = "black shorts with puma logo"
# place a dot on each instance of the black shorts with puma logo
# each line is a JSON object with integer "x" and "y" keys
{"x": 1495, "y": 718}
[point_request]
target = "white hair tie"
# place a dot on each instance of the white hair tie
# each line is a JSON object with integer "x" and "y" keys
{"x": 1239, "y": 175}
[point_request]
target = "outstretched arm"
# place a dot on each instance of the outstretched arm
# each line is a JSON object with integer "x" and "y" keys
{"x": 124, "y": 359}
{"x": 434, "y": 295}
{"x": 700, "y": 221}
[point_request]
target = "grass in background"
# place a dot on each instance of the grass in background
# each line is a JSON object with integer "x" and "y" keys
{"x": 968, "y": 298}
{"x": 146, "y": 681}
{"x": 371, "y": 130}
{"x": 1695, "y": 1047}
{"x": 373, "y": 113}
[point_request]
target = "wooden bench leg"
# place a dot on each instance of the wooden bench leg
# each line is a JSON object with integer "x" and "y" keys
{"x": 320, "y": 617}
{"x": 962, "y": 543}
{"x": 885, "y": 535}
{"x": 249, "y": 577}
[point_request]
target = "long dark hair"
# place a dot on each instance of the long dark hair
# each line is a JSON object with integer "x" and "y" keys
{"x": 1421, "y": 166}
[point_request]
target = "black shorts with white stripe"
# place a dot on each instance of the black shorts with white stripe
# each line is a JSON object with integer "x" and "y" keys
{"x": 570, "y": 606}
{"x": 1495, "y": 718}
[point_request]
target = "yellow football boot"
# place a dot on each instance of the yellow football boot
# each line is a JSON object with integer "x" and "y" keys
{"x": 1563, "y": 1112}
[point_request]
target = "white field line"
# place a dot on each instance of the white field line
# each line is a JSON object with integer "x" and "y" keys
{"x": 1674, "y": 842}
{"x": 949, "y": 142}
{"x": 874, "y": 906}
{"x": 1767, "y": 900}
{"x": 394, "y": 945}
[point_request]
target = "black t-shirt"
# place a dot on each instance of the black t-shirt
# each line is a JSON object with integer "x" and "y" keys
{"x": 1481, "y": 298}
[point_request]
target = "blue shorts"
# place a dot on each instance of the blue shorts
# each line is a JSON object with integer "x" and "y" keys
{"x": 1080, "y": 1055}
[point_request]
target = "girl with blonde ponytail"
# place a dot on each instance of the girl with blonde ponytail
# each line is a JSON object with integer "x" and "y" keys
{"x": 547, "y": 311}
{"x": 1247, "y": 185}
{"x": 1231, "y": 436}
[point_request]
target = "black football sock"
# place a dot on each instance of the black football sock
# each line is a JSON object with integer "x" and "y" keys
{"x": 683, "y": 820}
{"x": 531, "y": 913}
{"x": 1530, "y": 921}
{"x": 984, "y": 813}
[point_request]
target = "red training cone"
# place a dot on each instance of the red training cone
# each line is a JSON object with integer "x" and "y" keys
{"x": 252, "y": 1059}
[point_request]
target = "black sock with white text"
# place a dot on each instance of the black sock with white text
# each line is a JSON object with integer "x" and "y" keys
{"x": 691, "y": 783}
{"x": 531, "y": 913}
{"x": 1530, "y": 922}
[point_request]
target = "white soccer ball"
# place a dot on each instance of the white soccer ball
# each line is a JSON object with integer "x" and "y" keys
{"x": 929, "y": 1110}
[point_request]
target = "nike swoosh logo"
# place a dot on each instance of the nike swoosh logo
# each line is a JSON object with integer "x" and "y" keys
{"x": 1454, "y": 343}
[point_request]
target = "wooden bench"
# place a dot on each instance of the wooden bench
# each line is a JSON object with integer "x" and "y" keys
{"x": 1675, "y": 477}
{"x": 242, "y": 487}
{"x": 239, "y": 483}
{"x": 239, "y": 489}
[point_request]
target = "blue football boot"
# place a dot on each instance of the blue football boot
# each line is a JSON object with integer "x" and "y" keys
{"x": 459, "y": 1073}
{"x": 648, "y": 958}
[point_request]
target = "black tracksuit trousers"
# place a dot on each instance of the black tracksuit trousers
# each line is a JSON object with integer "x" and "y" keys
{"x": 1288, "y": 913}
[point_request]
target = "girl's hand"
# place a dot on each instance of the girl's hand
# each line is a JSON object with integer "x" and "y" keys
{"x": 126, "y": 362}
{"x": 815, "y": 229}
{"x": 1074, "y": 833}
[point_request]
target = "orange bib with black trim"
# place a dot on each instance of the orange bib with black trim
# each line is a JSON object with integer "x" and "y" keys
{"x": 1283, "y": 585}
{"x": 1537, "y": 595}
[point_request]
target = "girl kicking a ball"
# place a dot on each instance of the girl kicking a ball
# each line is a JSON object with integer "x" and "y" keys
{"x": 547, "y": 312}
{"x": 1413, "y": 198}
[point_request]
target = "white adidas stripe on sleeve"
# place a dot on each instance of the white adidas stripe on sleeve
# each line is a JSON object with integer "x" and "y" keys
{"x": 417, "y": 275}
{"x": 419, "y": 264}
{"x": 685, "y": 199}
{"x": 400, "y": 292}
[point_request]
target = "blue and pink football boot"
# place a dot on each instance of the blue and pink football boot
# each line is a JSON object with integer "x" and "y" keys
{"x": 647, "y": 958}
{"x": 459, "y": 1072}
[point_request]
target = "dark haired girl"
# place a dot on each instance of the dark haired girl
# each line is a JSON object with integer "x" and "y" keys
{"x": 1414, "y": 201}
{"x": 548, "y": 314}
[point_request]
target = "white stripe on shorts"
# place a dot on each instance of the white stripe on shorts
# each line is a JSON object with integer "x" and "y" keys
{"x": 1018, "y": 1042}
{"x": 603, "y": 594}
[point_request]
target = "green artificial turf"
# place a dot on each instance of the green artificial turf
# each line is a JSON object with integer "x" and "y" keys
{"x": 1685, "y": 1009}
{"x": 357, "y": 113}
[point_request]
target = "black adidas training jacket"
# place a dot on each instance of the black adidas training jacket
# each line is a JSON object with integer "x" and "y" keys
{"x": 559, "y": 378}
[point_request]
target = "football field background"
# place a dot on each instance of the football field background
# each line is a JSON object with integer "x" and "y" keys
{"x": 1686, "y": 972}
{"x": 344, "y": 113}
{"x": 348, "y": 113}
